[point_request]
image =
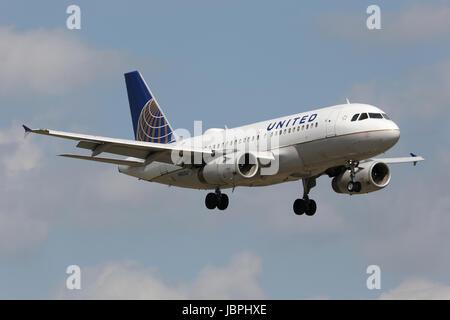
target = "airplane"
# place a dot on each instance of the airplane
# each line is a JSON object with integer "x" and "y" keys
{"x": 339, "y": 141}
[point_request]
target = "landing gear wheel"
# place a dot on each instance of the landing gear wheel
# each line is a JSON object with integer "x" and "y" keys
{"x": 211, "y": 200}
{"x": 223, "y": 202}
{"x": 299, "y": 207}
{"x": 306, "y": 205}
{"x": 350, "y": 186}
{"x": 311, "y": 208}
{"x": 354, "y": 186}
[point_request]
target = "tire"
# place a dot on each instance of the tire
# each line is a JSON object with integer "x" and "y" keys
{"x": 351, "y": 186}
{"x": 357, "y": 187}
{"x": 299, "y": 207}
{"x": 211, "y": 201}
{"x": 223, "y": 202}
{"x": 311, "y": 208}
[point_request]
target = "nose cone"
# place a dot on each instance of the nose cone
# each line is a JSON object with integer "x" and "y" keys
{"x": 392, "y": 135}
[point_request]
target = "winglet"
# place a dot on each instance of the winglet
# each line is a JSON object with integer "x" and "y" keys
{"x": 27, "y": 131}
{"x": 413, "y": 155}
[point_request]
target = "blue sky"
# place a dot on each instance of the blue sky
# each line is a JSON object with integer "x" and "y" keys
{"x": 225, "y": 63}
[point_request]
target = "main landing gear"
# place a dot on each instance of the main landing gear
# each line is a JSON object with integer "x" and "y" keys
{"x": 306, "y": 205}
{"x": 353, "y": 186}
{"x": 217, "y": 200}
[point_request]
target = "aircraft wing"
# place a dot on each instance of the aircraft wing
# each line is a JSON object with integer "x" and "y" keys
{"x": 414, "y": 159}
{"x": 147, "y": 151}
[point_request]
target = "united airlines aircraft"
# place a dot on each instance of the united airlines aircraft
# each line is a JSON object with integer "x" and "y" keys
{"x": 338, "y": 141}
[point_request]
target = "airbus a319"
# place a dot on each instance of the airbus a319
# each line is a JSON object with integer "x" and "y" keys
{"x": 340, "y": 141}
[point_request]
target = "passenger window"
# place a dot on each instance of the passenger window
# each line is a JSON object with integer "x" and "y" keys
{"x": 298, "y": 128}
{"x": 289, "y": 131}
{"x": 375, "y": 115}
{"x": 303, "y": 127}
{"x": 307, "y": 126}
{"x": 284, "y": 131}
{"x": 363, "y": 116}
{"x": 355, "y": 117}
{"x": 317, "y": 124}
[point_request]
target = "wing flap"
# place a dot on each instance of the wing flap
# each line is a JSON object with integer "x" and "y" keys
{"x": 105, "y": 160}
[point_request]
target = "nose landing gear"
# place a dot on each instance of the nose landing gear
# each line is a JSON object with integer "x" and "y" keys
{"x": 306, "y": 205}
{"x": 217, "y": 200}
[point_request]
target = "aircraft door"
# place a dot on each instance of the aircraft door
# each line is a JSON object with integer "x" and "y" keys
{"x": 331, "y": 123}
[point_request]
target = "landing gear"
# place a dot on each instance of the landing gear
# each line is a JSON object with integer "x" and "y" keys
{"x": 211, "y": 201}
{"x": 216, "y": 200}
{"x": 353, "y": 186}
{"x": 306, "y": 205}
{"x": 223, "y": 202}
{"x": 302, "y": 206}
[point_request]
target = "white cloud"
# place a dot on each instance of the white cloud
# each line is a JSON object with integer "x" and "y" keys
{"x": 418, "y": 289}
{"x": 19, "y": 230}
{"x": 17, "y": 154}
{"x": 49, "y": 62}
{"x": 239, "y": 279}
{"x": 415, "y": 24}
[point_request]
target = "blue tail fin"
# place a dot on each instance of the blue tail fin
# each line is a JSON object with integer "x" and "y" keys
{"x": 149, "y": 122}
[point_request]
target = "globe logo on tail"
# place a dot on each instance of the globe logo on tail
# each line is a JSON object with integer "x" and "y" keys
{"x": 152, "y": 125}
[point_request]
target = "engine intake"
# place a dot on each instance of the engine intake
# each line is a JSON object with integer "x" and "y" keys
{"x": 247, "y": 165}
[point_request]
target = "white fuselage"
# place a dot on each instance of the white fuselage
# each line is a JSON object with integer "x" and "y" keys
{"x": 306, "y": 144}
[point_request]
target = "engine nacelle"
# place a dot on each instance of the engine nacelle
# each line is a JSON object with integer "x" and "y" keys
{"x": 373, "y": 176}
{"x": 247, "y": 165}
{"x": 229, "y": 169}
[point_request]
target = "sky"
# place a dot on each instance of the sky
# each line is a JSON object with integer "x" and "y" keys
{"x": 224, "y": 63}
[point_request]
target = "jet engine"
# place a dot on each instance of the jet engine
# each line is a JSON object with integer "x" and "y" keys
{"x": 229, "y": 169}
{"x": 373, "y": 176}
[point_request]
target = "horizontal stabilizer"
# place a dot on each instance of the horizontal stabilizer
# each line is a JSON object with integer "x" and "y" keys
{"x": 131, "y": 163}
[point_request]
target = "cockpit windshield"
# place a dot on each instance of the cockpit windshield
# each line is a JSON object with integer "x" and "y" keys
{"x": 375, "y": 116}
{"x": 371, "y": 115}
{"x": 363, "y": 116}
